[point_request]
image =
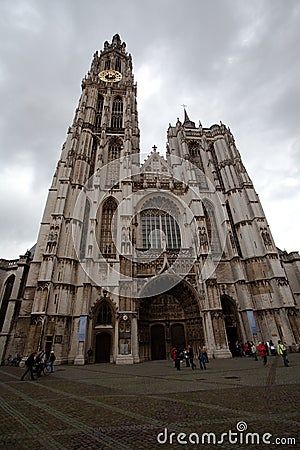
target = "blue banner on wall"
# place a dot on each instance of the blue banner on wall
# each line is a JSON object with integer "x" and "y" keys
{"x": 82, "y": 328}
{"x": 252, "y": 322}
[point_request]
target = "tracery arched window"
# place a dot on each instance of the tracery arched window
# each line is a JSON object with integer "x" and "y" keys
{"x": 85, "y": 224}
{"x": 107, "y": 64}
{"x": 113, "y": 167}
{"x": 195, "y": 153}
{"x": 4, "y": 304}
{"x": 104, "y": 316}
{"x": 117, "y": 113}
{"x": 108, "y": 228}
{"x": 114, "y": 150}
{"x": 211, "y": 226}
{"x": 118, "y": 64}
{"x": 160, "y": 230}
{"x": 99, "y": 111}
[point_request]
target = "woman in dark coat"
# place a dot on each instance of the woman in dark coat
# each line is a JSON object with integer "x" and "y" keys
{"x": 30, "y": 361}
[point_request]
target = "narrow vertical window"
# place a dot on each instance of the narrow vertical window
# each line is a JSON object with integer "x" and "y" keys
{"x": 118, "y": 64}
{"x": 211, "y": 226}
{"x": 99, "y": 112}
{"x": 108, "y": 228}
{"x": 117, "y": 113}
{"x": 104, "y": 316}
{"x": 113, "y": 167}
{"x": 85, "y": 223}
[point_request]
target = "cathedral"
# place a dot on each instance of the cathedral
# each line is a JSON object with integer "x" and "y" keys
{"x": 134, "y": 258}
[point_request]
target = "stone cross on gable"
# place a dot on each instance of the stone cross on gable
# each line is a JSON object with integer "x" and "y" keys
{"x": 154, "y": 148}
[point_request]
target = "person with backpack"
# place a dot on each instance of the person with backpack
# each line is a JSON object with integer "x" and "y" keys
{"x": 282, "y": 350}
{"x": 29, "y": 363}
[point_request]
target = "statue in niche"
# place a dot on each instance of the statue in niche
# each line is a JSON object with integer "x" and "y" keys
{"x": 125, "y": 335}
{"x": 232, "y": 240}
{"x": 266, "y": 237}
{"x": 203, "y": 238}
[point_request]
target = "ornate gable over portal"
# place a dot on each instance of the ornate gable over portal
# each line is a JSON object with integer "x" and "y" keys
{"x": 155, "y": 163}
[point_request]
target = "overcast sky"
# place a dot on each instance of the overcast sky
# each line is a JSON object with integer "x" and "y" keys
{"x": 230, "y": 60}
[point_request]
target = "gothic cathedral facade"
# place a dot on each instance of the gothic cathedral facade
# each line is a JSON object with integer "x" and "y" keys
{"x": 133, "y": 259}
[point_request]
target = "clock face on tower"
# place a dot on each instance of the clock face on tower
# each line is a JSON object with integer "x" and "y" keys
{"x": 110, "y": 76}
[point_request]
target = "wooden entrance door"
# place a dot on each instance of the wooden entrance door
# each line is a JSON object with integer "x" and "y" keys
{"x": 103, "y": 346}
{"x": 158, "y": 342}
{"x": 177, "y": 335}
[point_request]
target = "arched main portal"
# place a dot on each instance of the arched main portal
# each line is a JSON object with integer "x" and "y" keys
{"x": 167, "y": 320}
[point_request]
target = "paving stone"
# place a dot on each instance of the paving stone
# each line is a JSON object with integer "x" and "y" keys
{"x": 126, "y": 407}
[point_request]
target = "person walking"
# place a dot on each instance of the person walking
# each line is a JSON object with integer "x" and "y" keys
{"x": 263, "y": 352}
{"x": 205, "y": 354}
{"x": 253, "y": 351}
{"x": 201, "y": 358}
{"x": 186, "y": 357}
{"x": 52, "y": 358}
{"x": 191, "y": 357}
{"x": 177, "y": 359}
{"x": 272, "y": 348}
{"x": 173, "y": 355}
{"x": 282, "y": 351}
{"x": 90, "y": 354}
{"x": 29, "y": 363}
{"x": 40, "y": 359}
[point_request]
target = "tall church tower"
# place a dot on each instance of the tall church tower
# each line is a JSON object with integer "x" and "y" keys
{"x": 62, "y": 289}
{"x": 248, "y": 291}
{"x": 135, "y": 259}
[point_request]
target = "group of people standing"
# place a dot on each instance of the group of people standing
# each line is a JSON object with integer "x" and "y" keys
{"x": 180, "y": 355}
{"x": 264, "y": 349}
{"x": 39, "y": 360}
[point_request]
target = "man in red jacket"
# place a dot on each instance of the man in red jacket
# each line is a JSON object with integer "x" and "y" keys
{"x": 263, "y": 352}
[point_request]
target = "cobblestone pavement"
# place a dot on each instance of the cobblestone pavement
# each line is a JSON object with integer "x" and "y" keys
{"x": 106, "y": 406}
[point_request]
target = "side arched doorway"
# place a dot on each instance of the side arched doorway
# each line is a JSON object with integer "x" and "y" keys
{"x": 103, "y": 347}
{"x": 230, "y": 314}
{"x": 167, "y": 320}
{"x": 4, "y": 304}
{"x": 103, "y": 331}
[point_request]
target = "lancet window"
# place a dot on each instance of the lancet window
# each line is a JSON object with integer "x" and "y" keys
{"x": 117, "y": 113}
{"x": 85, "y": 223}
{"x": 108, "y": 228}
{"x": 99, "y": 111}
{"x": 104, "y": 316}
{"x": 118, "y": 64}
